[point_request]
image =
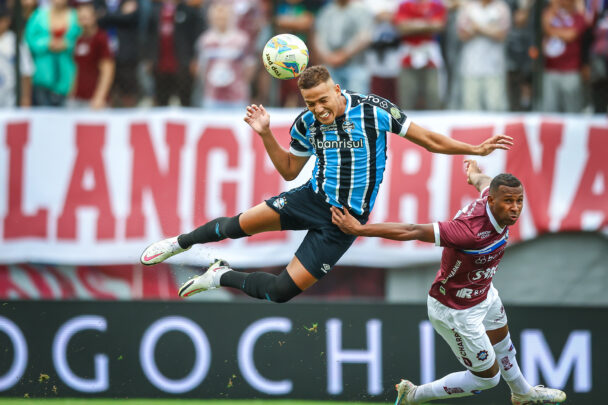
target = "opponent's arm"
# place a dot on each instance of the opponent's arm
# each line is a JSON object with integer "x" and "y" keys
{"x": 395, "y": 231}
{"x": 437, "y": 143}
{"x": 287, "y": 164}
{"x": 474, "y": 175}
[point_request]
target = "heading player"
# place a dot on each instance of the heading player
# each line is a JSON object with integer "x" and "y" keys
{"x": 463, "y": 305}
{"x": 346, "y": 132}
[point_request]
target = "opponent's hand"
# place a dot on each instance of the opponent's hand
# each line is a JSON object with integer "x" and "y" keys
{"x": 346, "y": 222}
{"x": 496, "y": 142}
{"x": 471, "y": 167}
{"x": 257, "y": 118}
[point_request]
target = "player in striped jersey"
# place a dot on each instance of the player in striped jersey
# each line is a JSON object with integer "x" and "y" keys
{"x": 346, "y": 133}
{"x": 463, "y": 305}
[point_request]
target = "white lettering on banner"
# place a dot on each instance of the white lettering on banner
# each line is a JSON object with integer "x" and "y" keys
{"x": 16, "y": 370}
{"x": 165, "y": 173}
{"x": 245, "y": 355}
{"x": 575, "y": 357}
{"x": 100, "y": 382}
{"x": 427, "y": 352}
{"x": 336, "y": 356}
{"x": 202, "y": 351}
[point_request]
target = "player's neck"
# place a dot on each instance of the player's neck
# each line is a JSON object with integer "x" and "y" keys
{"x": 342, "y": 107}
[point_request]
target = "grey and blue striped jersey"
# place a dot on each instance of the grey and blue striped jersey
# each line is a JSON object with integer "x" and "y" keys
{"x": 350, "y": 152}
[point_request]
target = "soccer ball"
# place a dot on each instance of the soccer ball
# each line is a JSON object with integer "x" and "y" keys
{"x": 285, "y": 56}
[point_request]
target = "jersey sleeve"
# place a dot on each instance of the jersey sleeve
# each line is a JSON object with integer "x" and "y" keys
{"x": 390, "y": 117}
{"x": 300, "y": 145}
{"x": 453, "y": 234}
{"x": 485, "y": 192}
{"x": 104, "y": 46}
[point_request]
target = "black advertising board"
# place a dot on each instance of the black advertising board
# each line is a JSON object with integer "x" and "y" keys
{"x": 262, "y": 350}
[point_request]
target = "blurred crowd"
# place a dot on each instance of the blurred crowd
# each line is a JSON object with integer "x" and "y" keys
{"x": 481, "y": 55}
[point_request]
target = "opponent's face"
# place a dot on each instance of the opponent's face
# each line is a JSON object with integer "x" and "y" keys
{"x": 325, "y": 101}
{"x": 506, "y": 204}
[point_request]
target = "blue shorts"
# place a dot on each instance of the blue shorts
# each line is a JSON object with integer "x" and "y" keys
{"x": 301, "y": 208}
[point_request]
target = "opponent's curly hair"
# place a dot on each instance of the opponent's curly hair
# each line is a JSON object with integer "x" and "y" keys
{"x": 312, "y": 76}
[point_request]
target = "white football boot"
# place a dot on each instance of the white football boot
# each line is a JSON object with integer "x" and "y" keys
{"x": 160, "y": 251}
{"x": 405, "y": 393}
{"x": 539, "y": 395}
{"x": 205, "y": 281}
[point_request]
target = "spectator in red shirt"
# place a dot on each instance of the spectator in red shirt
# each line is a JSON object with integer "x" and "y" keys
{"x": 563, "y": 27}
{"x": 418, "y": 22}
{"x": 173, "y": 30}
{"x": 94, "y": 61}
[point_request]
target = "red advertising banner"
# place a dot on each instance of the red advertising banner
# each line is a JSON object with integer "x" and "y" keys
{"x": 96, "y": 188}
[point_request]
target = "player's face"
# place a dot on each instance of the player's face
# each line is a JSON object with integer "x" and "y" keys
{"x": 506, "y": 205}
{"x": 325, "y": 101}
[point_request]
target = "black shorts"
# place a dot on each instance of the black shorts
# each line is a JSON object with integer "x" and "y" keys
{"x": 301, "y": 208}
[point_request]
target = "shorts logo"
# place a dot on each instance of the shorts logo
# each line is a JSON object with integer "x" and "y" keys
{"x": 476, "y": 392}
{"x": 482, "y": 355}
{"x": 453, "y": 390}
{"x": 279, "y": 203}
{"x": 325, "y": 268}
{"x": 461, "y": 350}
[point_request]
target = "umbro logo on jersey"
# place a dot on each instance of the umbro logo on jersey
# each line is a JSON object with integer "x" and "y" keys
{"x": 325, "y": 268}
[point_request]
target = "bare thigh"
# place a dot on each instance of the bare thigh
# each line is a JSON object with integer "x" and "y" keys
{"x": 260, "y": 218}
{"x": 300, "y": 276}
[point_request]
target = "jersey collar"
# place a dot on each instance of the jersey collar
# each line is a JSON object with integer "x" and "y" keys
{"x": 497, "y": 227}
{"x": 348, "y": 100}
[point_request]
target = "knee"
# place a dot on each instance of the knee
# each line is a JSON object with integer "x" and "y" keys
{"x": 231, "y": 227}
{"x": 279, "y": 294}
{"x": 487, "y": 383}
{"x": 283, "y": 288}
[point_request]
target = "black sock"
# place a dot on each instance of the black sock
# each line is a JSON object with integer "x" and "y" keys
{"x": 213, "y": 231}
{"x": 234, "y": 279}
{"x": 262, "y": 285}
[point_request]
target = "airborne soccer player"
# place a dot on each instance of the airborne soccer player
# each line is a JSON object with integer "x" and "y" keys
{"x": 463, "y": 305}
{"x": 346, "y": 133}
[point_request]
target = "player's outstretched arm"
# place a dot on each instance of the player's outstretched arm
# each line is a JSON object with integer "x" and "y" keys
{"x": 389, "y": 230}
{"x": 474, "y": 175}
{"x": 287, "y": 164}
{"x": 437, "y": 143}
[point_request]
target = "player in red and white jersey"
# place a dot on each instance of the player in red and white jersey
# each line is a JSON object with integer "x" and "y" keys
{"x": 463, "y": 305}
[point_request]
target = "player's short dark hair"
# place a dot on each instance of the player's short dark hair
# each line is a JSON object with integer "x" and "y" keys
{"x": 503, "y": 179}
{"x": 312, "y": 76}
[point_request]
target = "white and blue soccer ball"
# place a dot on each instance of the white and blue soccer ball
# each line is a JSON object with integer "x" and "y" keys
{"x": 285, "y": 56}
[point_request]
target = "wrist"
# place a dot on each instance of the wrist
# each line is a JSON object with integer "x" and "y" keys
{"x": 265, "y": 132}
